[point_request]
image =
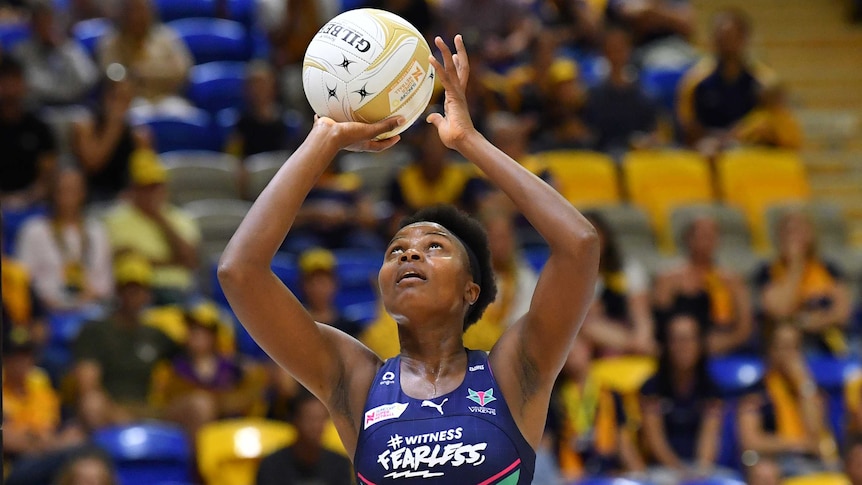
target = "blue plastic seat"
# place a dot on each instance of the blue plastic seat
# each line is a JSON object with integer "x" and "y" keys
{"x": 536, "y": 257}
{"x": 215, "y": 86}
{"x": 714, "y": 481}
{"x": 89, "y": 32}
{"x": 12, "y": 33}
{"x": 363, "y": 313}
{"x": 242, "y": 11}
{"x": 661, "y": 84}
{"x": 609, "y": 481}
{"x": 191, "y": 129}
{"x": 357, "y": 276}
{"x": 735, "y": 374}
{"x": 181, "y": 9}
{"x": 147, "y": 453}
{"x": 212, "y": 40}
{"x": 832, "y": 372}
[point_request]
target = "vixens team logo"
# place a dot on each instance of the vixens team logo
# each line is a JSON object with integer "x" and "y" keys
{"x": 481, "y": 398}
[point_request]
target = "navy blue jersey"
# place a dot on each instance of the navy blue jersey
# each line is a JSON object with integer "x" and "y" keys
{"x": 467, "y": 436}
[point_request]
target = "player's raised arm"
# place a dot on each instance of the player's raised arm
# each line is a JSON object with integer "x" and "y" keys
{"x": 529, "y": 356}
{"x": 315, "y": 354}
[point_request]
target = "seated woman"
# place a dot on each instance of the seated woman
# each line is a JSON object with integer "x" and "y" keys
{"x": 716, "y": 296}
{"x": 588, "y": 422}
{"x": 681, "y": 408}
{"x": 202, "y": 384}
{"x": 67, "y": 253}
{"x": 782, "y": 420}
{"x": 619, "y": 321}
{"x": 800, "y": 286}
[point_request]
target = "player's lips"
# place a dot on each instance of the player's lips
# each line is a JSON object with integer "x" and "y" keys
{"x": 409, "y": 272}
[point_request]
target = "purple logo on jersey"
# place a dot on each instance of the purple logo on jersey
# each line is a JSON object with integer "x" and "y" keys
{"x": 481, "y": 397}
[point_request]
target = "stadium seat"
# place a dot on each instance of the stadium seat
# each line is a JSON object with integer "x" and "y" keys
{"x": 212, "y": 40}
{"x": 261, "y": 168}
{"x": 536, "y": 256}
{"x": 170, "y": 10}
{"x": 186, "y": 129}
{"x": 242, "y": 11}
{"x": 608, "y": 481}
{"x": 734, "y": 246}
{"x": 633, "y": 233}
{"x": 89, "y": 32}
{"x": 357, "y": 276}
{"x": 818, "y": 479}
{"x": 832, "y": 373}
{"x": 661, "y": 83}
{"x": 63, "y": 330}
{"x": 713, "y": 481}
{"x": 363, "y": 312}
{"x": 734, "y": 374}
{"x": 215, "y": 86}
{"x": 375, "y": 170}
{"x": 12, "y": 33}
{"x": 586, "y": 179}
{"x": 148, "y": 452}
{"x": 197, "y": 175}
{"x": 754, "y": 179}
{"x": 661, "y": 180}
{"x": 624, "y": 374}
{"x": 218, "y": 220}
{"x": 228, "y": 451}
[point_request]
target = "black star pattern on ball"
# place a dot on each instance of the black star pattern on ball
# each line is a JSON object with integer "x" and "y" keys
{"x": 346, "y": 63}
{"x": 431, "y": 75}
{"x": 332, "y": 93}
{"x": 362, "y": 92}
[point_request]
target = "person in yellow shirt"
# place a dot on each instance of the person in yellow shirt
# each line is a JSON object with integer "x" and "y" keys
{"x": 148, "y": 225}
{"x": 771, "y": 123}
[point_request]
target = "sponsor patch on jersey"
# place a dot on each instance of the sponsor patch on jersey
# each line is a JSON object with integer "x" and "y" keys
{"x": 425, "y": 455}
{"x": 384, "y": 412}
{"x": 388, "y": 379}
{"x": 481, "y": 398}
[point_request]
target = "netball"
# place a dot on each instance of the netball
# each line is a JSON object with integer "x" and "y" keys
{"x": 367, "y": 65}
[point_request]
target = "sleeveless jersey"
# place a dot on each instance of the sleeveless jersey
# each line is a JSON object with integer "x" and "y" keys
{"x": 466, "y": 437}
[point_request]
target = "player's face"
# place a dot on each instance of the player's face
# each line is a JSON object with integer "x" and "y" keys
{"x": 425, "y": 268}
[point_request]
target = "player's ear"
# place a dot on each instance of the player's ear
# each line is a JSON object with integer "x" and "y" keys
{"x": 471, "y": 292}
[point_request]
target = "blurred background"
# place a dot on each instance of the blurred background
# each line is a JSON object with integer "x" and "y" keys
{"x": 715, "y": 144}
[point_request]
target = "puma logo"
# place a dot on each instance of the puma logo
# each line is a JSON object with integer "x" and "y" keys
{"x": 438, "y": 407}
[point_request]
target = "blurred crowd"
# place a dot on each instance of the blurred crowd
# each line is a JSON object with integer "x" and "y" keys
{"x": 111, "y": 315}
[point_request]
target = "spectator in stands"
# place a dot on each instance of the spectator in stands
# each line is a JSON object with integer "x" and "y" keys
{"x": 67, "y": 253}
{"x": 306, "y": 461}
{"x": 57, "y": 69}
{"x": 782, "y": 418}
{"x": 662, "y": 29}
{"x": 281, "y": 393}
{"x": 149, "y": 225}
{"x": 336, "y": 214}
{"x": 92, "y": 467}
{"x": 260, "y": 127}
{"x": 590, "y": 423}
{"x": 417, "y": 12}
{"x": 157, "y": 59}
{"x": 527, "y": 86}
{"x": 801, "y": 287}
{"x": 770, "y": 123}
{"x": 501, "y": 32}
{"x": 515, "y": 280}
{"x": 31, "y": 406}
{"x": 561, "y": 125}
{"x": 853, "y": 459}
{"x": 681, "y": 408}
{"x": 716, "y": 296}
{"x": 319, "y": 286}
{"x": 763, "y": 472}
{"x": 617, "y": 110}
{"x": 104, "y": 142}
{"x": 21, "y": 306}
{"x": 202, "y": 384}
{"x": 26, "y": 142}
{"x": 115, "y": 357}
{"x": 577, "y": 24}
{"x": 620, "y": 320}
{"x": 720, "y": 90}
{"x": 432, "y": 178}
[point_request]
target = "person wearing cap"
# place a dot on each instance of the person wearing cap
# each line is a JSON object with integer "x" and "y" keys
{"x": 319, "y": 285}
{"x": 202, "y": 384}
{"x": 115, "y": 357}
{"x": 149, "y": 225}
{"x": 31, "y": 406}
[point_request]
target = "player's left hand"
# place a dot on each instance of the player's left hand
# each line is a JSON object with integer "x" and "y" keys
{"x": 456, "y": 125}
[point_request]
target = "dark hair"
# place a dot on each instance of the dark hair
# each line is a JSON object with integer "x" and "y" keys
{"x": 473, "y": 235}
{"x": 737, "y": 16}
{"x": 10, "y": 67}
{"x": 296, "y": 402}
{"x": 664, "y": 373}
{"x": 610, "y": 260}
{"x": 65, "y": 476}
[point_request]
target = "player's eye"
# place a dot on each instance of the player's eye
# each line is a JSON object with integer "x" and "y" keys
{"x": 435, "y": 245}
{"x": 396, "y": 250}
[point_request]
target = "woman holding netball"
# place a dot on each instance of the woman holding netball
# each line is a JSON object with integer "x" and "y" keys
{"x": 437, "y": 412}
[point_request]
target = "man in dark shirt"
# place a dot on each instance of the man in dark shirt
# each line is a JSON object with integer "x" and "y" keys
{"x": 27, "y": 145}
{"x": 306, "y": 462}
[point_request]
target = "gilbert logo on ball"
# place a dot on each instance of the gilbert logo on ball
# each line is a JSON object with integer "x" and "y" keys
{"x": 367, "y": 65}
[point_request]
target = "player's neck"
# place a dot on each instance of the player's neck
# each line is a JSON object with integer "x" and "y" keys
{"x": 433, "y": 351}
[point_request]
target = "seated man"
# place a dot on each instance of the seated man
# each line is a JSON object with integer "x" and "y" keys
{"x": 115, "y": 357}
{"x": 306, "y": 461}
{"x": 148, "y": 225}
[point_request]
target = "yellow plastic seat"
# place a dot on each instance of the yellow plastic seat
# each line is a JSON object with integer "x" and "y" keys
{"x": 586, "y": 179}
{"x": 818, "y": 479}
{"x": 659, "y": 181}
{"x": 853, "y": 392}
{"x": 624, "y": 375}
{"x": 755, "y": 179}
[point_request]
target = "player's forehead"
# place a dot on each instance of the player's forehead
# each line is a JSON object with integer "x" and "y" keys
{"x": 422, "y": 228}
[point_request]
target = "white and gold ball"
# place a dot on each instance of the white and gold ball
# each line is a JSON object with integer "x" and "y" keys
{"x": 367, "y": 65}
